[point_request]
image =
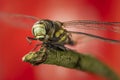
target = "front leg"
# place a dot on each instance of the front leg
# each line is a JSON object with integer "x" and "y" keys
{"x": 57, "y": 46}
{"x": 29, "y": 39}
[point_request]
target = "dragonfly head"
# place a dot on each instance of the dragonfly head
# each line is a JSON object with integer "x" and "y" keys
{"x": 39, "y": 30}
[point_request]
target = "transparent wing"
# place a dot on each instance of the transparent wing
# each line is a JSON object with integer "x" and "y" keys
{"x": 93, "y": 25}
{"x": 76, "y": 26}
{"x": 17, "y": 20}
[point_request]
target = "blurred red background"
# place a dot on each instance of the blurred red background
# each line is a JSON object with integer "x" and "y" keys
{"x": 13, "y": 44}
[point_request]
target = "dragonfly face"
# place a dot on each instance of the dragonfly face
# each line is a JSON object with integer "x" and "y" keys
{"x": 39, "y": 30}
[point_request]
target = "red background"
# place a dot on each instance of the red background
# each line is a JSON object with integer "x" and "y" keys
{"x": 13, "y": 44}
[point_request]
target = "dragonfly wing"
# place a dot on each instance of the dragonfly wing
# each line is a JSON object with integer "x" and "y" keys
{"x": 18, "y": 20}
{"x": 93, "y": 25}
{"x": 76, "y": 26}
{"x": 95, "y": 36}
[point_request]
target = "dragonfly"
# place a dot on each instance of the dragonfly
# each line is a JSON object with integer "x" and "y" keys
{"x": 56, "y": 34}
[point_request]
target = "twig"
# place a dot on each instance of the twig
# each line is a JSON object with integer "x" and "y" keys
{"x": 70, "y": 59}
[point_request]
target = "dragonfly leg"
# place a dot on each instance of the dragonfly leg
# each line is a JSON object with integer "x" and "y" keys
{"x": 36, "y": 46}
{"x": 29, "y": 39}
{"x": 57, "y": 46}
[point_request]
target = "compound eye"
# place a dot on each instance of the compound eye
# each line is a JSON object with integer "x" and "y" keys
{"x": 39, "y": 30}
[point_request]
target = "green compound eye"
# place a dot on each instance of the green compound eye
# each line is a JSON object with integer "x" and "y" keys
{"x": 39, "y": 31}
